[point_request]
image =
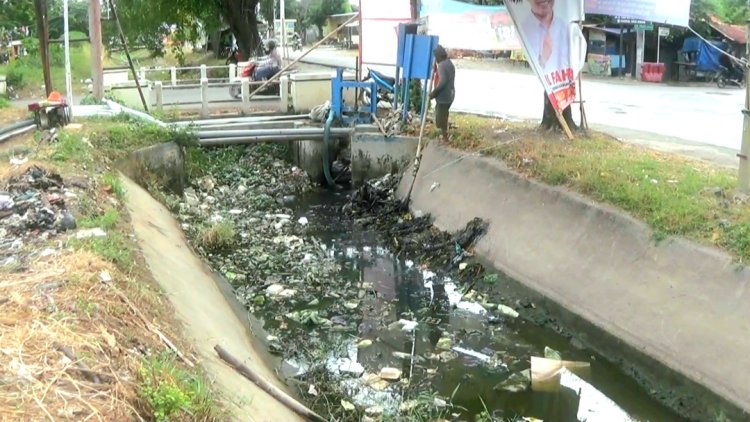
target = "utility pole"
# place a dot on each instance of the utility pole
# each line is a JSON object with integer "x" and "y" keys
{"x": 68, "y": 74}
{"x": 282, "y": 13}
{"x": 43, "y": 34}
{"x": 95, "y": 35}
{"x": 744, "y": 155}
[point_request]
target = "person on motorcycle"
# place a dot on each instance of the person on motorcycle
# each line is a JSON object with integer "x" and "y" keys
{"x": 273, "y": 66}
{"x": 727, "y": 61}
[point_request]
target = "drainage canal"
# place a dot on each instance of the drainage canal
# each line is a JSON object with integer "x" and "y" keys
{"x": 361, "y": 331}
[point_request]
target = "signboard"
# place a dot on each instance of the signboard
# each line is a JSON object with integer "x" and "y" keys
{"x": 554, "y": 44}
{"x": 644, "y": 27}
{"x": 663, "y": 32}
{"x": 464, "y": 26}
{"x": 379, "y": 37}
{"x": 672, "y": 12}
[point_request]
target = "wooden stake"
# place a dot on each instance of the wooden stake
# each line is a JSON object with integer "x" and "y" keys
{"x": 316, "y": 45}
{"x": 564, "y": 125}
{"x": 266, "y": 386}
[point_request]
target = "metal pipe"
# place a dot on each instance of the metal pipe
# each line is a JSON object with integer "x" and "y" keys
{"x": 206, "y": 134}
{"x": 244, "y": 140}
{"x": 16, "y": 126}
{"x": 254, "y": 125}
{"x": 7, "y": 134}
{"x": 213, "y": 122}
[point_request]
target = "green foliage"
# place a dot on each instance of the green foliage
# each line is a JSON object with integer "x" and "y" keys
{"x": 113, "y": 184}
{"x": 106, "y": 221}
{"x": 114, "y": 247}
{"x": 69, "y": 147}
{"x": 4, "y": 102}
{"x": 173, "y": 393}
{"x": 320, "y": 10}
{"x": 14, "y": 13}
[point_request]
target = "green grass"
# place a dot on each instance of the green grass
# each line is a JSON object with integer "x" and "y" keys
{"x": 107, "y": 221}
{"x": 26, "y": 72}
{"x": 114, "y": 247}
{"x": 4, "y": 102}
{"x": 113, "y": 184}
{"x": 674, "y": 196}
{"x": 172, "y": 393}
{"x": 71, "y": 147}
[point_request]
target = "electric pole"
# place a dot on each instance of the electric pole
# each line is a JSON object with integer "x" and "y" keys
{"x": 43, "y": 34}
{"x": 95, "y": 36}
{"x": 744, "y": 155}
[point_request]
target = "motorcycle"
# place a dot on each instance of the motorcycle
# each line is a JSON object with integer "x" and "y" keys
{"x": 727, "y": 77}
{"x": 235, "y": 56}
{"x": 386, "y": 87}
{"x": 255, "y": 71}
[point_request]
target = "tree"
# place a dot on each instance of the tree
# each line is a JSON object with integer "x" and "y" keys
{"x": 319, "y": 11}
{"x": 15, "y": 13}
{"x": 147, "y": 22}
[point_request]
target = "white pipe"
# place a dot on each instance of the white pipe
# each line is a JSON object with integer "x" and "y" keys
{"x": 16, "y": 132}
{"x": 258, "y": 119}
{"x": 117, "y": 108}
{"x": 68, "y": 73}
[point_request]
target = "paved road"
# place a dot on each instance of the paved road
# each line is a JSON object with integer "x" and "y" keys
{"x": 699, "y": 121}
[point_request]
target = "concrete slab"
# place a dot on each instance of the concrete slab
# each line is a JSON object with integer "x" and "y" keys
{"x": 202, "y": 305}
{"x": 676, "y": 307}
{"x": 374, "y": 155}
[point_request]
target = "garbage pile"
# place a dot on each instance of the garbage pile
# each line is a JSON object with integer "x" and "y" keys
{"x": 33, "y": 204}
{"x": 375, "y": 205}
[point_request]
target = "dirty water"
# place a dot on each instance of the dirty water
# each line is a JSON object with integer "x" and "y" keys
{"x": 405, "y": 317}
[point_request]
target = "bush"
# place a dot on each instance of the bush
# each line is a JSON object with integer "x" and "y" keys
{"x": 14, "y": 77}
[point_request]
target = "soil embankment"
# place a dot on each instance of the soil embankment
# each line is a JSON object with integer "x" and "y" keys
{"x": 202, "y": 308}
{"x": 674, "y": 304}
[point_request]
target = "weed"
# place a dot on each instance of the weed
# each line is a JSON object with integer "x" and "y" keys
{"x": 85, "y": 306}
{"x": 220, "y": 236}
{"x": 106, "y": 221}
{"x": 4, "y": 102}
{"x": 114, "y": 248}
{"x": 114, "y": 185}
{"x": 70, "y": 146}
{"x": 173, "y": 393}
{"x": 490, "y": 278}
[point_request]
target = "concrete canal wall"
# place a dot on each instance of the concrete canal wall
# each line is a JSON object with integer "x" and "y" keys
{"x": 674, "y": 314}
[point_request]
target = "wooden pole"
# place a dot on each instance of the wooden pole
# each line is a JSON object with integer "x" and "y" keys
{"x": 564, "y": 125}
{"x": 266, "y": 386}
{"x": 43, "y": 34}
{"x": 127, "y": 53}
{"x": 95, "y": 35}
{"x": 297, "y": 60}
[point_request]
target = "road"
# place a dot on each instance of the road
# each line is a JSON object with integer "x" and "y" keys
{"x": 699, "y": 121}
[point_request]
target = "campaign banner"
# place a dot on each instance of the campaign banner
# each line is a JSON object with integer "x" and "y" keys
{"x": 463, "y": 26}
{"x": 554, "y": 44}
{"x": 669, "y": 12}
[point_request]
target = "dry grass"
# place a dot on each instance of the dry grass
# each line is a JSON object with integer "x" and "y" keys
{"x": 84, "y": 335}
{"x": 12, "y": 115}
{"x": 61, "y": 306}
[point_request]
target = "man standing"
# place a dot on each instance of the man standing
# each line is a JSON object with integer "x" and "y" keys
{"x": 445, "y": 91}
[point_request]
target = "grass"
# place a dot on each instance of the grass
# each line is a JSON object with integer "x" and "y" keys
{"x": 217, "y": 237}
{"x": 172, "y": 393}
{"x": 674, "y": 196}
{"x": 106, "y": 221}
{"x": 112, "y": 183}
{"x": 4, "y": 102}
{"x": 25, "y": 74}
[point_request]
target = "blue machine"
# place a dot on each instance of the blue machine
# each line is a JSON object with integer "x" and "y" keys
{"x": 415, "y": 59}
{"x": 347, "y": 115}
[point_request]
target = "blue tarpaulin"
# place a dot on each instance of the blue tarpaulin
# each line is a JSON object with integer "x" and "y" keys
{"x": 706, "y": 57}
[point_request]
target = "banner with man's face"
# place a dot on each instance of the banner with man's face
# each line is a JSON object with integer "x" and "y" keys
{"x": 554, "y": 44}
